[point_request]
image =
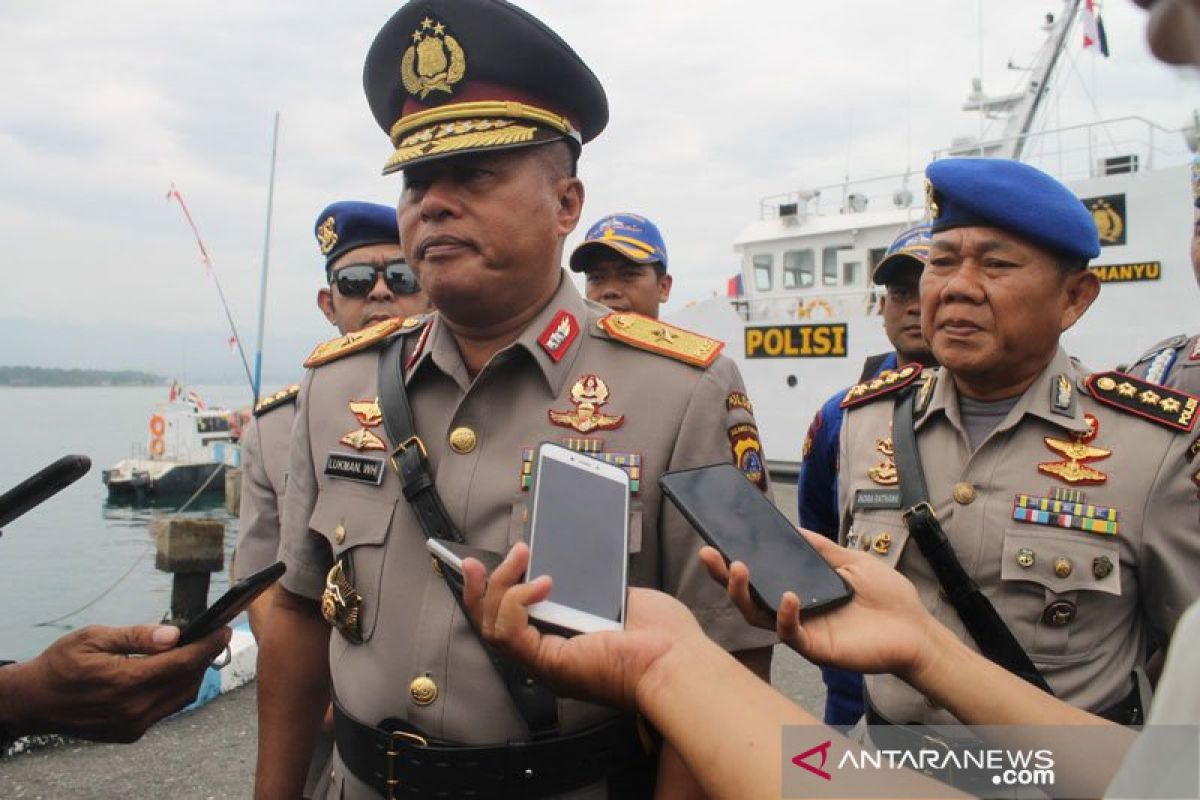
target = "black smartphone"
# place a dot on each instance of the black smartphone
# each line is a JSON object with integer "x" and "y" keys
{"x": 32, "y": 491}
{"x": 732, "y": 515}
{"x": 579, "y": 536}
{"x": 230, "y": 604}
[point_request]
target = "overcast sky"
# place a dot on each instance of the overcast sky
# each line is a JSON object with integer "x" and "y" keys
{"x": 713, "y": 106}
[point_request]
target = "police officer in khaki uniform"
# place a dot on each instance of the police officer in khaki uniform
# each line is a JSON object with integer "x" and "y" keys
{"x": 367, "y": 281}
{"x": 487, "y": 109}
{"x": 1063, "y": 495}
{"x": 1175, "y": 362}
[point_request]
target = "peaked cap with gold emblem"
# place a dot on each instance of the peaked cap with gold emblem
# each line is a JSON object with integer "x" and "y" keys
{"x": 446, "y": 77}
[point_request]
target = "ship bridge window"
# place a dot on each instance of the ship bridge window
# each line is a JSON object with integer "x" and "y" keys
{"x": 851, "y": 273}
{"x": 829, "y": 264}
{"x": 212, "y": 425}
{"x": 798, "y": 269}
{"x": 763, "y": 263}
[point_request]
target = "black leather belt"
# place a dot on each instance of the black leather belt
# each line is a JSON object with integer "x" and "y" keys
{"x": 397, "y": 760}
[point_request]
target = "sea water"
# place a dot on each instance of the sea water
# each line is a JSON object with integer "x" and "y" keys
{"x": 77, "y": 559}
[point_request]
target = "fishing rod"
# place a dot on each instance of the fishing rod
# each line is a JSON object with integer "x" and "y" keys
{"x": 208, "y": 268}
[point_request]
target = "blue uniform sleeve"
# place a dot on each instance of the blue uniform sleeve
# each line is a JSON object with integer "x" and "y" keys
{"x": 817, "y": 489}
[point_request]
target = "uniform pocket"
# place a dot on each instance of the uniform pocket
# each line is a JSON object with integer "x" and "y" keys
{"x": 356, "y": 527}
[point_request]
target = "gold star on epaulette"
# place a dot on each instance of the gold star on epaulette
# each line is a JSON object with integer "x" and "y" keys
{"x": 884, "y": 383}
{"x": 656, "y": 336}
{"x": 359, "y": 340}
{"x": 1161, "y": 404}
{"x": 282, "y": 397}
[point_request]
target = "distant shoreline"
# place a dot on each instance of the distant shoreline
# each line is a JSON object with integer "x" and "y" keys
{"x": 22, "y": 376}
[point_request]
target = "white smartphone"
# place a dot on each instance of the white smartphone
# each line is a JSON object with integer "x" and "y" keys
{"x": 579, "y": 536}
{"x": 451, "y": 554}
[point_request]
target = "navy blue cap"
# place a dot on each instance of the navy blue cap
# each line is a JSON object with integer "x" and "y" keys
{"x": 348, "y": 224}
{"x": 445, "y": 77}
{"x": 629, "y": 235}
{"x": 1012, "y": 196}
{"x": 911, "y": 248}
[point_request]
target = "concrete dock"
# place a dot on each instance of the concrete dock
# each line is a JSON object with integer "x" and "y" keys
{"x": 209, "y": 754}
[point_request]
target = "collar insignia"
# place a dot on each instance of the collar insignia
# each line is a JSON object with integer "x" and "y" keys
{"x": 1078, "y": 451}
{"x": 588, "y": 394}
{"x": 556, "y": 339}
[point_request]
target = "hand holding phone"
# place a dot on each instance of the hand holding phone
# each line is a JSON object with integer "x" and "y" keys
{"x": 579, "y": 536}
{"x": 732, "y": 515}
{"x": 230, "y": 604}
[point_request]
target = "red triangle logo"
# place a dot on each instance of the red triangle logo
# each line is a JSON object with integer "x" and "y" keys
{"x": 823, "y": 749}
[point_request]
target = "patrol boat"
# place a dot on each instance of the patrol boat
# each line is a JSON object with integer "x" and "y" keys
{"x": 187, "y": 451}
{"x": 805, "y": 314}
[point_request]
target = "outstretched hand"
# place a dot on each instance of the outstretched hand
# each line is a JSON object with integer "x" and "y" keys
{"x": 602, "y": 667}
{"x": 106, "y": 684}
{"x": 882, "y": 628}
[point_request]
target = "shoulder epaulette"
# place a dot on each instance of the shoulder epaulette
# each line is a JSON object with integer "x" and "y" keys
{"x": 657, "y": 336}
{"x": 1161, "y": 404}
{"x": 359, "y": 340}
{"x": 884, "y": 383}
{"x": 282, "y": 397}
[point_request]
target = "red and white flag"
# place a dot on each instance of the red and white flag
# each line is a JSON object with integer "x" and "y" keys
{"x": 195, "y": 400}
{"x": 1094, "y": 38}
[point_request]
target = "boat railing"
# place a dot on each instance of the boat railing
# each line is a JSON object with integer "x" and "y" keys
{"x": 808, "y": 308}
{"x": 1106, "y": 147}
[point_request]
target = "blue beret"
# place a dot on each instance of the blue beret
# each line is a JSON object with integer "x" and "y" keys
{"x": 446, "y": 77}
{"x": 636, "y": 238}
{"x": 910, "y": 247}
{"x": 348, "y": 224}
{"x": 1012, "y": 196}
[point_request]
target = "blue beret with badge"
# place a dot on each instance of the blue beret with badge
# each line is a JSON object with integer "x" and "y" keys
{"x": 448, "y": 77}
{"x": 629, "y": 235}
{"x": 911, "y": 248}
{"x": 1012, "y": 196}
{"x": 348, "y": 224}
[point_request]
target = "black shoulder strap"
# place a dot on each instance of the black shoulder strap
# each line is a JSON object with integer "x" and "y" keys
{"x": 871, "y": 366}
{"x": 536, "y": 705}
{"x": 996, "y": 642}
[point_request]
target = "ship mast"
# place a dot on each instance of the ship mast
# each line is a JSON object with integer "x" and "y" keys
{"x": 1021, "y": 109}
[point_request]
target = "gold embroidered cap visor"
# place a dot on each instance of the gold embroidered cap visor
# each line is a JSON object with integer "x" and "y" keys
{"x": 449, "y": 77}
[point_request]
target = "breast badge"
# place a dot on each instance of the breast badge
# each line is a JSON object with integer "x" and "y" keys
{"x": 1065, "y": 508}
{"x": 369, "y": 416}
{"x": 1078, "y": 452}
{"x": 340, "y": 604}
{"x": 747, "y": 453}
{"x": 884, "y": 473}
{"x": 588, "y": 394}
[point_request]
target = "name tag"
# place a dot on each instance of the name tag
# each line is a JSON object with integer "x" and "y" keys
{"x": 871, "y": 499}
{"x": 362, "y": 469}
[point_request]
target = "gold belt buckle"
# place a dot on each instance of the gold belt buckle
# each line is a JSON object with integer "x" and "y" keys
{"x": 398, "y": 736}
{"x": 406, "y": 444}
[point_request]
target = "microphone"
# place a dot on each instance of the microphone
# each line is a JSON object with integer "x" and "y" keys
{"x": 32, "y": 491}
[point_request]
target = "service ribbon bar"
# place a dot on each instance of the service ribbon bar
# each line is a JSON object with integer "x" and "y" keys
{"x": 1066, "y": 514}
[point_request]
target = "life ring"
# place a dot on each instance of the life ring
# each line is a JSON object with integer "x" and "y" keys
{"x": 158, "y": 425}
{"x": 157, "y": 447}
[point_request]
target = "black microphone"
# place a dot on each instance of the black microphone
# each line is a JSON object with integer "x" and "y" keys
{"x": 50, "y": 481}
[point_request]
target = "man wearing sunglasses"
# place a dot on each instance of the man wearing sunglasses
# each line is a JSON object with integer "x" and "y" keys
{"x": 367, "y": 281}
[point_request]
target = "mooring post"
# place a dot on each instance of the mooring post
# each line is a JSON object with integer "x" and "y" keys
{"x": 191, "y": 550}
{"x": 233, "y": 490}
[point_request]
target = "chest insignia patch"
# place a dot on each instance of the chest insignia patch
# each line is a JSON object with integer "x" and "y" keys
{"x": 884, "y": 473}
{"x": 369, "y": 416}
{"x": 630, "y": 462}
{"x": 1078, "y": 452}
{"x": 738, "y": 400}
{"x": 588, "y": 394}
{"x": 747, "y": 453}
{"x": 1065, "y": 508}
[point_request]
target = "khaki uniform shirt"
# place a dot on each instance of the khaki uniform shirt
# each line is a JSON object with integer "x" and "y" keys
{"x": 1173, "y": 362}
{"x": 1081, "y": 604}
{"x": 265, "y": 446}
{"x": 673, "y": 415}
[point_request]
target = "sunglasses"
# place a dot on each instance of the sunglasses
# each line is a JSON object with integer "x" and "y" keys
{"x": 357, "y": 280}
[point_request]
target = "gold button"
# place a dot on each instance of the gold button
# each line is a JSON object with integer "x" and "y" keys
{"x": 462, "y": 440}
{"x": 1062, "y": 567}
{"x": 964, "y": 493}
{"x": 1025, "y": 557}
{"x": 1102, "y": 567}
{"x": 423, "y": 690}
{"x": 883, "y": 543}
{"x": 339, "y": 533}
